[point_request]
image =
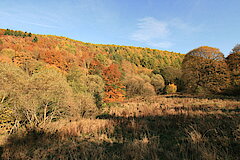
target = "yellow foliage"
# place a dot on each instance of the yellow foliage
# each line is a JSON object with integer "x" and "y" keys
{"x": 171, "y": 88}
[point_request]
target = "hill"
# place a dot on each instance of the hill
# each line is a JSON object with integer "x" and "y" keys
{"x": 64, "y": 52}
{"x": 66, "y": 99}
{"x": 31, "y": 52}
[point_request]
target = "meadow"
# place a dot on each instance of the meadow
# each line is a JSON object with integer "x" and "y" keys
{"x": 174, "y": 126}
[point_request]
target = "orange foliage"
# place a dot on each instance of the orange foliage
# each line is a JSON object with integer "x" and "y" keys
{"x": 5, "y": 59}
{"x": 113, "y": 87}
{"x": 21, "y": 58}
{"x": 63, "y": 53}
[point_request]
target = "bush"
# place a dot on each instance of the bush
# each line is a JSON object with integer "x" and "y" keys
{"x": 86, "y": 105}
{"x": 145, "y": 77}
{"x": 136, "y": 86}
{"x": 158, "y": 82}
{"x": 171, "y": 88}
{"x": 148, "y": 90}
{"x": 170, "y": 74}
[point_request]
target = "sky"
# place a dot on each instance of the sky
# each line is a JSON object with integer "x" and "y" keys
{"x": 173, "y": 25}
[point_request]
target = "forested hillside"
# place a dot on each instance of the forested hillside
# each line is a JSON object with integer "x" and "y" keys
{"x": 65, "y": 53}
{"x": 43, "y": 74}
{"x": 32, "y": 52}
{"x": 65, "y": 99}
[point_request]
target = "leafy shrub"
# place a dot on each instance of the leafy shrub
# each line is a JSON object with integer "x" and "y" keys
{"x": 148, "y": 89}
{"x": 170, "y": 74}
{"x": 94, "y": 84}
{"x": 85, "y": 105}
{"x": 171, "y": 88}
{"x": 86, "y": 84}
{"x": 158, "y": 82}
{"x": 145, "y": 77}
{"x": 201, "y": 90}
{"x": 136, "y": 86}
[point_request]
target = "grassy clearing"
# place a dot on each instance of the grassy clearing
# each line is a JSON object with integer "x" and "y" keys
{"x": 160, "y": 127}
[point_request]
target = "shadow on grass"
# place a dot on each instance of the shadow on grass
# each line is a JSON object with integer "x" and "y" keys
{"x": 146, "y": 137}
{"x": 1, "y": 152}
{"x": 210, "y": 97}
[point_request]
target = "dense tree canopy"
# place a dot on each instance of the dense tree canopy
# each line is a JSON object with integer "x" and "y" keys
{"x": 233, "y": 61}
{"x": 205, "y": 70}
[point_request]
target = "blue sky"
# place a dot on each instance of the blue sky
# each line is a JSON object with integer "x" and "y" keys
{"x": 173, "y": 25}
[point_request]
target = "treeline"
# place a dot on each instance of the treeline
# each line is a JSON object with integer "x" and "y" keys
{"x": 17, "y": 33}
{"x": 20, "y": 34}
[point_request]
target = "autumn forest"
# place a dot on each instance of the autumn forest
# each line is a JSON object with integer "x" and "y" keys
{"x": 66, "y": 99}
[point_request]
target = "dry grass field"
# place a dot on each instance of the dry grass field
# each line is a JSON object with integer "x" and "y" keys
{"x": 159, "y": 127}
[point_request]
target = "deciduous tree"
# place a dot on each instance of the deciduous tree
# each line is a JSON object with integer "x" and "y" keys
{"x": 205, "y": 67}
{"x": 233, "y": 61}
{"x": 113, "y": 86}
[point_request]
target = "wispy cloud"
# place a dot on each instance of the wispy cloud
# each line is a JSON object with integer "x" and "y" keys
{"x": 38, "y": 18}
{"x": 38, "y": 24}
{"x": 150, "y": 28}
{"x": 165, "y": 44}
{"x": 157, "y": 33}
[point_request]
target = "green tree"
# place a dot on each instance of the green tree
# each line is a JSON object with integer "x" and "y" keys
{"x": 35, "y": 39}
{"x": 7, "y": 32}
{"x": 85, "y": 85}
{"x": 1, "y": 44}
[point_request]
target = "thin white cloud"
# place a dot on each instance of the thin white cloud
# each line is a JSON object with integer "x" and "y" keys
{"x": 39, "y": 24}
{"x": 43, "y": 25}
{"x": 165, "y": 44}
{"x": 150, "y": 28}
{"x": 156, "y": 33}
{"x": 37, "y": 18}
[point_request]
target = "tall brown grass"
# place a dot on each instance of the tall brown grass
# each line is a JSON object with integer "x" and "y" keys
{"x": 159, "y": 127}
